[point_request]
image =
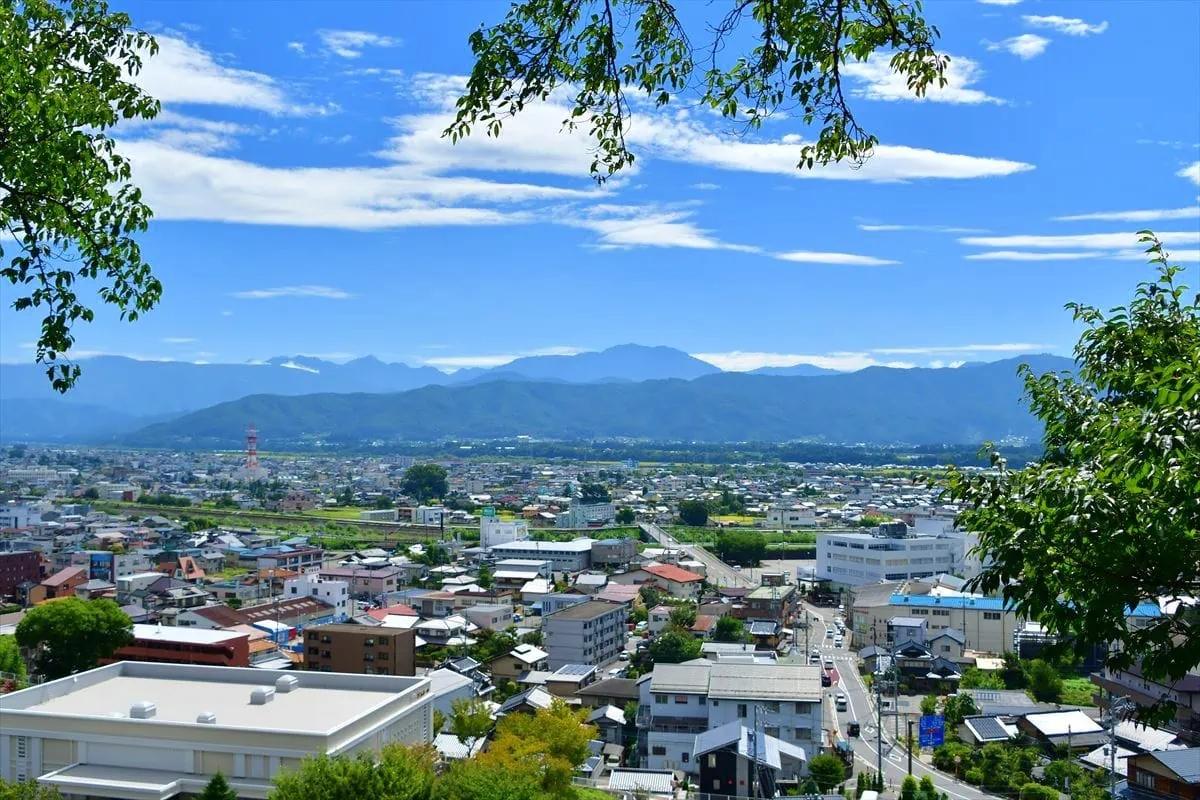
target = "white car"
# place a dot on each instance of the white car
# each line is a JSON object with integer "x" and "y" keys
{"x": 624, "y": 656}
{"x": 838, "y": 641}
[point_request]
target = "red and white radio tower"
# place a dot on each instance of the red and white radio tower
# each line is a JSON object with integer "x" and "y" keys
{"x": 251, "y": 448}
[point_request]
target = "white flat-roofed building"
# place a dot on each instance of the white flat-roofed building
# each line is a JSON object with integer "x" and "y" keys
{"x": 572, "y": 556}
{"x": 149, "y": 731}
{"x": 494, "y": 531}
{"x": 858, "y": 559}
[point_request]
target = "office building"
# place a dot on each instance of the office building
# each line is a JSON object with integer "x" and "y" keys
{"x": 138, "y": 730}
{"x": 493, "y": 531}
{"x": 593, "y": 515}
{"x": 365, "y": 649}
{"x": 572, "y": 556}
{"x": 592, "y": 632}
{"x": 888, "y": 553}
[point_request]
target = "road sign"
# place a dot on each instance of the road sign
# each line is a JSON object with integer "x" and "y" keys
{"x": 932, "y": 730}
{"x": 489, "y": 511}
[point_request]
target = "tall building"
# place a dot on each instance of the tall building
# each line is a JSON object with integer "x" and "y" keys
{"x": 888, "y": 553}
{"x": 365, "y": 649}
{"x": 586, "y": 516}
{"x": 18, "y": 567}
{"x": 592, "y": 632}
{"x": 134, "y": 729}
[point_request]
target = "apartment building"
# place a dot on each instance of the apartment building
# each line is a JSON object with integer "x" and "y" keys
{"x": 572, "y": 556}
{"x": 428, "y": 515}
{"x": 678, "y": 702}
{"x": 855, "y": 559}
{"x": 371, "y": 581}
{"x": 333, "y": 591}
{"x": 586, "y": 516}
{"x": 767, "y": 602}
{"x": 784, "y": 517}
{"x": 300, "y": 559}
{"x": 142, "y": 730}
{"x": 16, "y": 568}
{"x": 592, "y": 632}
{"x": 174, "y": 645}
{"x": 364, "y": 649}
{"x": 1184, "y": 694}
{"x": 494, "y": 531}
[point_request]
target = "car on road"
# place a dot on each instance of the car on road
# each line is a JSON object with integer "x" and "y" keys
{"x": 829, "y": 633}
{"x": 838, "y": 641}
{"x": 814, "y": 659}
{"x": 826, "y": 679}
{"x": 828, "y": 662}
{"x": 841, "y": 701}
{"x": 853, "y": 730}
{"x": 624, "y": 656}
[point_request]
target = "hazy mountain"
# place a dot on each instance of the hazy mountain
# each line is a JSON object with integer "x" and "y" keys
{"x": 794, "y": 370}
{"x": 64, "y": 421}
{"x": 627, "y": 362}
{"x": 876, "y": 405}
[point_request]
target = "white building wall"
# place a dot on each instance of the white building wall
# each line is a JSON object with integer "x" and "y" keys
{"x": 856, "y": 559}
{"x": 334, "y": 592}
{"x": 493, "y": 531}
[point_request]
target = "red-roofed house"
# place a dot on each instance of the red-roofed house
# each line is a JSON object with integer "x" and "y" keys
{"x": 399, "y": 610}
{"x": 678, "y": 582}
{"x": 61, "y": 584}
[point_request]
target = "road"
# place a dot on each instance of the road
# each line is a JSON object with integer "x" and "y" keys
{"x": 719, "y": 573}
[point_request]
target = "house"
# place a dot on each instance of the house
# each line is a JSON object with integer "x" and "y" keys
{"x": 736, "y": 761}
{"x": 902, "y": 630}
{"x": 705, "y": 626}
{"x": 586, "y": 633}
{"x": 677, "y": 702}
{"x": 529, "y": 701}
{"x": 448, "y": 686}
{"x": 1072, "y": 729}
{"x": 522, "y": 658}
{"x": 617, "y": 593}
{"x": 366, "y": 582}
{"x": 590, "y": 582}
{"x": 450, "y": 748}
{"x": 610, "y": 723}
{"x": 166, "y": 729}
{"x": 565, "y": 681}
{"x": 767, "y": 602}
{"x": 491, "y": 616}
{"x": 364, "y": 649}
{"x": 61, "y": 584}
{"x": 609, "y": 691}
{"x": 676, "y": 581}
{"x": 981, "y": 730}
{"x": 1165, "y": 774}
{"x": 1183, "y": 693}
{"x": 947, "y": 643}
{"x": 658, "y": 618}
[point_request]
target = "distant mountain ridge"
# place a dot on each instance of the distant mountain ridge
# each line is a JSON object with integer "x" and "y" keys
{"x": 877, "y": 405}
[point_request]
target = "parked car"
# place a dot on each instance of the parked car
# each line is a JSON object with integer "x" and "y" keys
{"x": 624, "y": 656}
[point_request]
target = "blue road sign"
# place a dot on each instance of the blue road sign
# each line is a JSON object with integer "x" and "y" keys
{"x": 932, "y": 730}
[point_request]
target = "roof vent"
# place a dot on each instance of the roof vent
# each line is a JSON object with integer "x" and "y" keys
{"x": 206, "y": 718}
{"x": 261, "y": 695}
{"x": 287, "y": 683}
{"x": 142, "y": 709}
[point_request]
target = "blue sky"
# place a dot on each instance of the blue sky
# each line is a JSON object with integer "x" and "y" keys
{"x": 305, "y": 202}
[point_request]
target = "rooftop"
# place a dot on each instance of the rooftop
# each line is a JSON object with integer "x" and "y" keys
{"x": 585, "y": 610}
{"x": 670, "y": 572}
{"x": 322, "y": 702}
{"x": 529, "y": 545}
{"x": 765, "y": 682}
{"x": 939, "y": 601}
{"x": 184, "y": 635}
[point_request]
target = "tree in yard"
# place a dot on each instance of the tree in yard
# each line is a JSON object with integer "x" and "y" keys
{"x": 625, "y": 516}
{"x": 1035, "y": 791}
{"x": 91, "y": 493}
{"x": 674, "y": 646}
{"x": 487, "y": 779}
{"x": 218, "y": 789}
{"x": 693, "y": 513}
{"x": 1013, "y": 672}
{"x": 740, "y": 547}
{"x": 68, "y": 211}
{"x": 593, "y": 493}
{"x": 683, "y": 616}
{"x": 827, "y": 770}
{"x": 956, "y": 707}
{"x": 533, "y": 637}
{"x": 72, "y": 635}
{"x": 485, "y": 577}
{"x": 929, "y": 704}
{"x": 396, "y": 773}
{"x": 1106, "y": 518}
{"x": 1044, "y": 682}
{"x": 439, "y": 721}
{"x": 729, "y": 629}
{"x": 909, "y": 788}
{"x": 383, "y": 502}
{"x": 650, "y": 594}
{"x": 346, "y": 496}
{"x": 975, "y": 678}
{"x": 471, "y": 720}
{"x": 599, "y": 51}
{"x": 556, "y": 739}
{"x": 10, "y": 657}
{"x": 424, "y": 482}
{"x": 28, "y": 790}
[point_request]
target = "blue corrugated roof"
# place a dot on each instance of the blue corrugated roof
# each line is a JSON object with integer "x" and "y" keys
{"x": 932, "y": 601}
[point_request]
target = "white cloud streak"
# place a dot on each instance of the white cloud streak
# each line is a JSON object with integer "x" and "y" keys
{"x": 744, "y": 361}
{"x": 1071, "y": 26}
{"x": 1000, "y": 2}
{"x": 179, "y": 339}
{"x": 1098, "y": 241}
{"x": 1025, "y": 46}
{"x": 350, "y": 44}
{"x": 1005, "y": 347}
{"x": 1026, "y": 255}
{"x": 1147, "y": 215}
{"x": 1191, "y": 172}
{"x": 921, "y": 228}
{"x": 307, "y": 290}
{"x": 878, "y": 81}
{"x": 843, "y": 259}
{"x": 496, "y": 359}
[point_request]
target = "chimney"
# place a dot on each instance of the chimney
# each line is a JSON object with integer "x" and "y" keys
{"x": 261, "y": 695}
{"x": 206, "y": 718}
{"x": 142, "y": 709}
{"x": 287, "y": 683}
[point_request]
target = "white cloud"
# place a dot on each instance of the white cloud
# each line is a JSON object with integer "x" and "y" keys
{"x": 1025, "y": 255}
{"x": 534, "y": 142}
{"x": 937, "y": 363}
{"x": 301, "y": 367}
{"x": 178, "y": 340}
{"x": 1005, "y": 347}
{"x": 922, "y": 228}
{"x": 1191, "y": 172}
{"x": 744, "y": 361}
{"x": 308, "y": 290}
{"x": 878, "y": 81}
{"x": 1189, "y": 256}
{"x": 184, "y": 73}
{"x": 847, "y": 259}
{"x": 706, "y": 187}
{"x": 350, "y": 44}
{"x": 1148, "y": 215}
{"x": 622, "y": 227}
{"x": 1097, "y": 241}
{"x": 1174, "y": 144}
{"x": 1000, "y": 2}
{"x": 1072, "y": 26}
{"x": 1025, "y": 46}
{"x": 226, "y": 313}
{"x": 296, "y": 47}
{"x": 498, "y": 359}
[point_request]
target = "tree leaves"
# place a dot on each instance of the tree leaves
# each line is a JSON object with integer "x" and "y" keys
{"x": 65, "y": 193}
{"x": 795, "y": 65}
{"x": 1108, "y": 518}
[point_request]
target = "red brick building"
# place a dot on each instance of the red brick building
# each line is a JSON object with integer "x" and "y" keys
{"x": 169, "y": 645}
{"x": 21, "y": 566}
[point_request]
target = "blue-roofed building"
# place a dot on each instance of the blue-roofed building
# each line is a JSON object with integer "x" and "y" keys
{"x": 986, "y": 624}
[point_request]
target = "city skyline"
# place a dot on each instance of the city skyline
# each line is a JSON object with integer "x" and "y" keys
{"x": 306, "y": 203}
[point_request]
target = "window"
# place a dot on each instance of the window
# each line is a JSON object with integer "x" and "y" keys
{"x": 993, "y": 615}
{"x": 681, "y": 699}
{"x": 685, "y": 756}
{"x": 312, "y": 636}
{"x": 1144, "y": 779}
{"x": 703, "y": 700}
{"x": 771, "y": 731}
{"x": 312, "y": 651}
{"x": 658, "y": 750}
{"x": 22, "y": 746}
{"x": 383, "y": 656}
{"x": 742, "y": 710}
{"x": 368, "y": 642}
{"x": 772, "y": 706}
{"x": 660, "y": 699}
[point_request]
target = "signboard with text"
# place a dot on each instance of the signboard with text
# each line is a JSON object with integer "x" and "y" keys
{"x": 932, "y": 730}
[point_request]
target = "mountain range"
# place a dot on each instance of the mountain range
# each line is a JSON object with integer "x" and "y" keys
{"x": 625, "y": 391}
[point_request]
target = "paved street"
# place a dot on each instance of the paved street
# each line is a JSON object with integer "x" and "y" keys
{"x": 719, "y": 573}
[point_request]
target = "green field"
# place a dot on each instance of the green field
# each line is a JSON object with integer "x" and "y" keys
{"x": 1078, "y": 692}
{"x": 333, "y": 513}
{"x": 689, "y": 535}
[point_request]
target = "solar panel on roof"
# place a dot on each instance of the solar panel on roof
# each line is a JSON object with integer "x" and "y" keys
{"x": 988, "y": 728}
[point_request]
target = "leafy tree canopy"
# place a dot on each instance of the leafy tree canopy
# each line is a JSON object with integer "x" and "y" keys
{"x": 729, "y": 629}
{"x": 593, "y": 493}
{"x": 471, "y": 720}
{"x": 556, "y": 739}
{"x": 425, "y": 482}
{"x": 683, "y": 616}
{"x": 740, "y": 547}
{"x": 693, "y": 513}
{"x": 66, "y": 199}
{"x": 402, "y": 773}
{"x": 674, "y": 646}
{"x": 626, "y": 516}
{"x": 72, "y": 635}
{"x": 827, "y": 770}
{"x": 1107, "y": 518}
{"x": 10, "y": 657}
{"x": 600, "y": 52}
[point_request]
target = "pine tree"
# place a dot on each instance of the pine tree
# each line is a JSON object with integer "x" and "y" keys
{"x": 218, "y": 789}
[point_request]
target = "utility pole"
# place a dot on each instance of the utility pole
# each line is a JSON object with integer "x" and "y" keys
{"x": 878, "y": 719}
{"x": 909, "y": 743}
{"x": 754, "y": 756}
{"x": 1117, "y": 707}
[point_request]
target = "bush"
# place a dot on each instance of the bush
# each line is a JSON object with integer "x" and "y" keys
{"x": 974, "y": 776}
{"x": 1035, "y": 791}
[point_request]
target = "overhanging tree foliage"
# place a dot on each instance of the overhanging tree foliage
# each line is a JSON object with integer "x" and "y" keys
{"x": 66, "y": 199}
{"x": 603, "y": 51}
{"x": 1108, "y": 518}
